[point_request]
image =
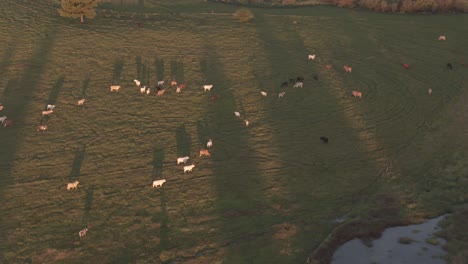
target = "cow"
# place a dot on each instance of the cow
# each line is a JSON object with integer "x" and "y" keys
{"x": 182, "y": 160}
{"x": 207, "y": 87}
{"x": 442, "y": 38}
{"x": 204, "y": 152}
{"x": 246, "y": 122}
{"x": 263, "y": 93}
{"x": 137, "y": 82}
{"x": 214, "y": 97}
{"x": 311, "y": 57}
{"x": 182, "y": 86}
{"x": 406, "y": 66}
{"x": 158, "y": 183}
{"x": 178, "y": 90}
{"x": 328, "y": 66}
{"x": 188, "y": 168}
{"x": 114, "y": 88}
{"x": 298, "y": 84}
{"x": 449, "y": 66}
{"x": 7, "y": 123}
{"x": 281, "y": 95}
{"x": 3, "y": 118}
{"x": 173, "y": 83}
{"x": 347, "y": 68}
{"x": 83, "y": 232}
{"x": 324, "y": 139}
{"x": 160, "y": 83}
{"x": 46, "y": 113}
{"x": 1, "y": 107}
{"x": 161, "y": 92}
{"x": 429, "y": 91}
{"x": 237, "y": 114}
{"x": 81, "y": 102}
{"x": 284, "y": 84}
{"x": 143, "y": 89}
{"x": 357, "y": 94}
{"x": 148, "y": 91}
{"x": 209, "y": 144}
{"x": 50, "y": 107}
{"x": 73, "y": 185}
{"x": 41, "y": 128}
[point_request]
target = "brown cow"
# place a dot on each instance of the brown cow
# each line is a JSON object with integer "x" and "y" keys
{"x": 161, "y": 92}
{"x": 7, "y": 123}
{"x": 328, "y": 66}
{"x": 357, "y": 94}
{"x": 204, "y": 152}
{"x": 406, "y": 66}
{"x": 347, "y": 68}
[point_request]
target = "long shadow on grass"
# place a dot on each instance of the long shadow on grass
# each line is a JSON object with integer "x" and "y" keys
{"x": 161, "y": 217}
{"x": 77, "y": 163}
{"x": 117, "y": 72}
{"x": 85, "y": 86}
{"x": 184, "y": 141}
{"x": 159, "y": 67}
{"x": 87, "y": 207}
{"x": 240, "y": 202}
{"x": 7, "y": 55}
{"x": 17, "y": 104}
{"x": 139, "y": 67}
{"x": 56, "y": 89}
{"x": 158, "y": 159}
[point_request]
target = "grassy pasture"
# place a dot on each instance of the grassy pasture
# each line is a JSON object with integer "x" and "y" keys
{"x": 269, "y": 193}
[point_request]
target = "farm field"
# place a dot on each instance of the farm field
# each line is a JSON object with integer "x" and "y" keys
{"x": 269, "y": 193}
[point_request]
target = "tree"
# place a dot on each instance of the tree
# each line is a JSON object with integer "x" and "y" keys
{"x": 78, "y": 8}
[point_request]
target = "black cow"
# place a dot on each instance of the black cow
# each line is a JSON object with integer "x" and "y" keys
{"x": 449, "y": 65}
{"x": 324, "y": 139}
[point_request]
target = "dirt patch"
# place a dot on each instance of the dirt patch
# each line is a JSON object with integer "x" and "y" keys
{"x": 284, "y": 233}
{"x": 52, "y": 255}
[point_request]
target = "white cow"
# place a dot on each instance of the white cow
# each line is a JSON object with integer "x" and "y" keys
{"x": 46, "y": 113}
{"x": 143, "y": 89}
{"x": 148, "y": 91}
{"x": 207, "y": 87}
{"x": 280, "y": 95}
{"x": 1, "y": 107}
{"x": 429, "y": 91}
{"x": 158, "y": 183}
{"x": 298, "y": 84}
{"x": 73, "y": 185}
{"x": 160, "y": 83}
{"x": 209, "y": 144}
{"x": 442, "y": 38}
{"x": 137, "y": 82}
{"x": 115, "y": 88}
{"x": 237, "y": 114}
{"x": 182, "y": 160}
{"x": 3, "y": 118}
{"x": 178, "y": 90}
{"x": 81, "y": 102}
{"x": 50, "y": 107}
{"x": 246, "y": 122}
{"x": 188, "y": 168}
{"x": 263, "y": 93}
{"x": 83, "y": 232}
{"x": 41, "y": 128}
{"x": 311, "y": 57}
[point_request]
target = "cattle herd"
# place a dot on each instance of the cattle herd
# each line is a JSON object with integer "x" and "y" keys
{"x": 297, "y": 82}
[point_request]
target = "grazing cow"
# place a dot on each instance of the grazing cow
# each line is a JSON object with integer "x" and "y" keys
{"x": 246, "y": 122}
{"x": 449, "y": 65}
{"x": 284, "y": 84}
{"x": 328, "y": 66}
{"x": 3, "y": 118}
{"x": 281, "y": 95}
{"x": 161, "y": 92}
{"x": 81, "y": 102}
{"x": 83, "y": 232}
{"x": 315, "y": 77}
{"x": 209, "y": 144}
{"x": 1, "y": 107}
{"x": 143, "y": 89}
{"x": 237, "y": 114}
{"x": 357, "y": 94}
{"x": 73, "y": 185}
{"x": 114, "y": 88}
{"x": 148, "y": 91}
{"x": 442, "y": 38}
{"x": 324, "y": 139}
{"x": 204, "y": 152}
{"x": 347, "y": 68}
{"x": 46, "y": 113}
{"x": 137, "y": 82}
{"x": 298, "y": 84}
{"x": 173, "y": 83}
{"x": 214, "y": 97}
{"x": 182, "y": 160}
{"x": 263, "y": 93}
{"x": 406, "y": 66}
{"x": 178, "y": 90}
{"x": 7, "y": 123}
{"x": 311, "y": 57}
{"x": 207, "y": 87}
{"x": 160, "y": 83}
{"x": 50, "y": 107}
{"x": 429, "y": 91}
{"x": 158, "y": 183}
{"x": 188, "y": 168}
{"x": 182, "y": 86}
{"x": 41, "y": 128}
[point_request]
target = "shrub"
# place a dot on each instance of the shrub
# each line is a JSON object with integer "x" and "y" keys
{"x": 244, "y": 15}
{"x": 346, "y": 3}
{"x": 461, "y": 5}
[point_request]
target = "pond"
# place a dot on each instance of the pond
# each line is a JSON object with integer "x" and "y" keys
{"x": 404, "y": 244}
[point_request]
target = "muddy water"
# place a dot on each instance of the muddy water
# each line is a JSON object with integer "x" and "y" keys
{"x": 389, "y": 250}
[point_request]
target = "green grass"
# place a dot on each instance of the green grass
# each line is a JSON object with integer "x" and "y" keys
{"x": 269, "y": 193}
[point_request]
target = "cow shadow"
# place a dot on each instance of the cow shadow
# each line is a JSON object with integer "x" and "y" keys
{"x": 87, "y": 206}
{"x": 77, "y": 163}
{"x": 177, "y": 71}
{"x": 184, "y": 141}
{"x": 159, "y": 65}
{"x": 56, "y": 89}
{"x": 85, "y": 86}
{"x": 158, "y": 159}
{"x": 202, "y": 132}
{"x": 117, "y": 72}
